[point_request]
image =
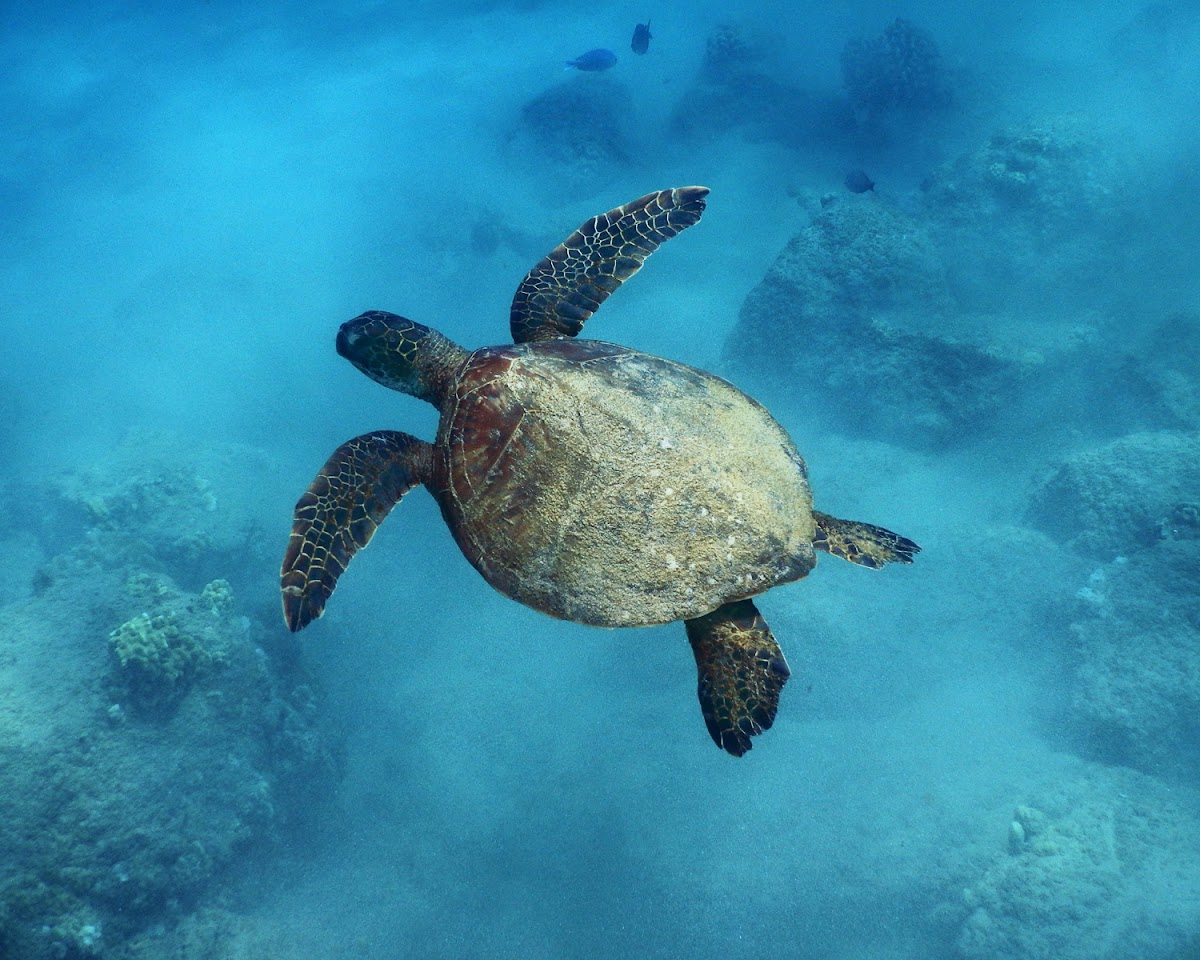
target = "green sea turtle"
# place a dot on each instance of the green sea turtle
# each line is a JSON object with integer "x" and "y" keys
{"x": 587, "y": 480}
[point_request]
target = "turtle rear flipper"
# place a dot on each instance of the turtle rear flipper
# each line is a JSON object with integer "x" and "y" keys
{"x": 340, "y": 512}
{"x": 862, "y": 543}
{"x": 742, "y": 671}
{"x": 559, "y": 295}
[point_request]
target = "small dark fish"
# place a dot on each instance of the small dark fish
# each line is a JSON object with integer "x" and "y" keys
{"x": 598, "y": 59}
{"x": 641, "y": 38}
{"x": 858, "y": 182}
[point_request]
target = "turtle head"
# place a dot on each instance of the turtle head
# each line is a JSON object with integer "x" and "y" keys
{"x": 401, "y": 354}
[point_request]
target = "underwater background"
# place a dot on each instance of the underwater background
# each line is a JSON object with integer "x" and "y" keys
{"x": 992, "y": 754}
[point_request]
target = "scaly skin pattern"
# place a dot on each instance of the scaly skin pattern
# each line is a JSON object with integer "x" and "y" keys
{"x": 401, "y": 354}
{"x": 610, "y": 487}
{"x": 340, "y": 512}
{"x": 862, "y": 543}
{"x": 741, "y": 673}
{"x": 559, "y": 295}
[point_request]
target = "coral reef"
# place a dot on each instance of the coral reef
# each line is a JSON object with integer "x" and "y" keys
{"x": 849, "y": 310}
{"x": 1134, "y": 505}
{"x": 729, "y": 54}
{"x": 216, "y": 933}
{"x": 871, "y": 257}
{"x": 575, "y": 134}
{"x": 148, "y": 738}
{"x": 158, "y": 655}
{"x": 1054, "y": 191}
{"x": 1120, "y": 497}
{"x": 168, "y": 505}
{"x": 1073, "y": 881}
{"x": 735, "y": 89}
{"x": 1159, "y": 376}
{"x": 157, "y": 660}
{"x": 934, "y": 329}
{"x": 901, "y": 70}
{"x": 1054, "y": 171}
{"x": 1033, "y": 228}
{"x": 1136, "y": 684}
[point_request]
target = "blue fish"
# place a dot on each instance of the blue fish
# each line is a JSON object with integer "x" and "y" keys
{"x": 857, "y": 181}
{"x": 598, "y": 59}
{"x": 641, "y": 38}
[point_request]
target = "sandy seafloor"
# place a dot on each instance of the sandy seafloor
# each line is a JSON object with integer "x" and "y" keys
{"x": 990, "y": 754}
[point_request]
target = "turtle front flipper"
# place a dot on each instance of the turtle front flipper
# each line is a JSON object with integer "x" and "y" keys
{"x": 742, "y": 671}
{"x": 861, "y": 543}
{"x": 560, "y": 294}
{"x": 340, "y": 511}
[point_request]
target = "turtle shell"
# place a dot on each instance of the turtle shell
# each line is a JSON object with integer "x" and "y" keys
{"x": 610, "y": 487}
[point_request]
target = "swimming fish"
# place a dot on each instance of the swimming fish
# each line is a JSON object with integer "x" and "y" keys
{"x": 641, "y": 38}
{"x": 858, "y": 182}
{"x": 598, "y": 59}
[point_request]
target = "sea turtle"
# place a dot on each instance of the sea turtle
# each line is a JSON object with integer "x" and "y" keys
{"x": 587, "y": 480}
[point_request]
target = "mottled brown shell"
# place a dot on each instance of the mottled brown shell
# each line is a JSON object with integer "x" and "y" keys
{"x": 611, "y": 487}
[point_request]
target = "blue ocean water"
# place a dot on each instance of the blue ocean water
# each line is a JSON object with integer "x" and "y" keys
{"x": 996, "y": 352}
